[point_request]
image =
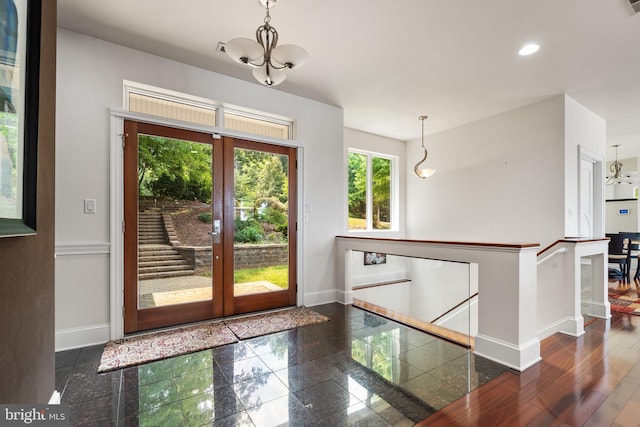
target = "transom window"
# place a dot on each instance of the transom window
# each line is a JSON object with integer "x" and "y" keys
{"x": 159, "y": 102}
{"x": 371, "y": 195}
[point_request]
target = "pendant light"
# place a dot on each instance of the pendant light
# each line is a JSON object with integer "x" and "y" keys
{"x": 422, "y": 172}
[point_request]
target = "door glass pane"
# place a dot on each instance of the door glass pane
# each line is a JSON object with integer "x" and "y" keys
{"x": 261, "y": 222}
{"x": 174, "y": 222}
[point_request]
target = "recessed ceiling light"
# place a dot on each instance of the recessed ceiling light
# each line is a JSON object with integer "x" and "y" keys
{"x": 528, "y": 49}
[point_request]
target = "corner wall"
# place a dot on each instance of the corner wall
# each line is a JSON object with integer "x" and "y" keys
{"x": 90, "y": 78}
{"x": 27, "y": 360}
{"x": 500, "y": 179}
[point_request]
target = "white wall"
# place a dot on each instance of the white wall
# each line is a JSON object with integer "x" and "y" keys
{"x": 617, "y": 222}
{"x": 499, "y": 179}
{"x": 377, "y": 144}
{"x": 586, "y": 129}
{"x": 90, "y": 73}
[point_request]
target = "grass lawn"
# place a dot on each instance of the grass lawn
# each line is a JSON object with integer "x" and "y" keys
{"x": 278, "y": 275}
{"x": 361, "y": 224}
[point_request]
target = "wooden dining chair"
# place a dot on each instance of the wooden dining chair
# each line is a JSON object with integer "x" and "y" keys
{"x": 618, "y": 254}
{"x": 633, "y": 248}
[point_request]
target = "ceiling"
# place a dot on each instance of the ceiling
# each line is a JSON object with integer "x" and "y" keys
{"x": 386, "y": 63}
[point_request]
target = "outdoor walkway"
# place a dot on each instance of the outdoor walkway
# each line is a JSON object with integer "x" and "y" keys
{"x": 184, "y": 289}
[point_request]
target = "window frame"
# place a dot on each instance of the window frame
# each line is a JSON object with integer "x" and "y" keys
{"x": 393, "y": 190}
{"x": 219, "y": 107}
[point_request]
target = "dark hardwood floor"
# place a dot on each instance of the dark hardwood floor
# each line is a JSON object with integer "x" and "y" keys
{"x": 593, "y": 380}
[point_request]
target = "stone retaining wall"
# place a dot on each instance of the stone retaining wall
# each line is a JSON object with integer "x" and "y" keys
{"x": 246, "y": 256}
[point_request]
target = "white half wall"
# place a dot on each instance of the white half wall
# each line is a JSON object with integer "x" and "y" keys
{"x": 90, "y": 74}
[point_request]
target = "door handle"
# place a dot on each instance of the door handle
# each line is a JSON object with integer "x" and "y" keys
{"x": 216, "y": 231}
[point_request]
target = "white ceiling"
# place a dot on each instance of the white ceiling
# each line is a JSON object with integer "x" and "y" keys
{"x": 387, "y": 62}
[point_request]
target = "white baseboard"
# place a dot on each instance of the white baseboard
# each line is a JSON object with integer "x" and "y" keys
{"x": 55, "y": 398}
{"x": 344, "y": 297}
{"x": 572, "y": 326}
{"x": 518, "y": 357}
{"x": 597, "y": 309}
{"x": 67, "y": 339}
{"x": 317, "y": 298}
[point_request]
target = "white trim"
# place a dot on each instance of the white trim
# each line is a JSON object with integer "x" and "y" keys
{"x": 55, "y": 398}
{"x": 116, "y": 214}
{"x": 317, "y": 298}
{"x": 84, "y": 336}
{"x": 596, "y": 309}
{"x": 518, "y": 357}
{"x": 69, "y": 249}
{"x": 572, "y": 326}
{"x": 598, "y": 189}
{"x": 301, "y": 228}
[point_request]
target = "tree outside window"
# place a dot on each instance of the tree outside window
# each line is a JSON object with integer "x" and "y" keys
{"x": 369, "y": 195}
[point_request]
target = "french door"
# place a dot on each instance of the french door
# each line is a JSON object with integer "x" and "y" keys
{"x": 210, "y": 226}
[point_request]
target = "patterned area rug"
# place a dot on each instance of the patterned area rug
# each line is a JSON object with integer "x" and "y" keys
{"x": 624, "y": 304}
{"x": 262, "y": 324}
{"x": 161, "y": 345}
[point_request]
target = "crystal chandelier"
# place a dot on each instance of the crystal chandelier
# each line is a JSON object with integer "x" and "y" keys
{"x": 268, "y": 60}
{"x": 422, "y": 172}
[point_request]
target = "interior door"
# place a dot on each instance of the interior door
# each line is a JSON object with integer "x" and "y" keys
{"x": 209, "y": 226}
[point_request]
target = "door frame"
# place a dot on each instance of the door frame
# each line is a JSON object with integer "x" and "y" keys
{"x": 116, "y": 202}
{"x": 135, "y": 319}
{"x": 584, "y": 154}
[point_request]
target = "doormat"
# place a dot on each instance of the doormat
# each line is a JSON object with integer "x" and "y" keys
{"x": 162, "y": 345}
{"x": 624, "y": 304}
{"x": 263, "y": 324}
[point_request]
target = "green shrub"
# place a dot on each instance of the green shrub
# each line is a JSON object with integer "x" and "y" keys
{"x": 205, "y": 217}
{"x": 249, "y": 231}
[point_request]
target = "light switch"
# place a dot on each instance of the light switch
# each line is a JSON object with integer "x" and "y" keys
{"x": 89, "y": 206}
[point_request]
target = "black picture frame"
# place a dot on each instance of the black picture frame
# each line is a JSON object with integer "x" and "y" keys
{"x": 28, "y": 52}
{"x": 375, "y": 258}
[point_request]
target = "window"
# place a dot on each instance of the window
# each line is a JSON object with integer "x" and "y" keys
{"x": 171, "y": 109}
{"x": 159, "y": 102}
{"x": 371, "y": 198}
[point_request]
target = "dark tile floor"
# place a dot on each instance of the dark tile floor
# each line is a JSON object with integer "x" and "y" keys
{"x": 357, "y": 369}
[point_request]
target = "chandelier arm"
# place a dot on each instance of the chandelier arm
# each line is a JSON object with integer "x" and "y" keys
{"x": 268, "y": 44}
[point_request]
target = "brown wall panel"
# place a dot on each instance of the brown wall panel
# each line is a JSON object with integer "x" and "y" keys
{"x": 27, "y": 355}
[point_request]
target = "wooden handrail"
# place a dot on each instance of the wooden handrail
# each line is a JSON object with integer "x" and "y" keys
{"x": 373, "y": 285}
{"x": 572, "y": 240}
{"x": 515, "y": 245}
{"x": 454, "y": 307}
